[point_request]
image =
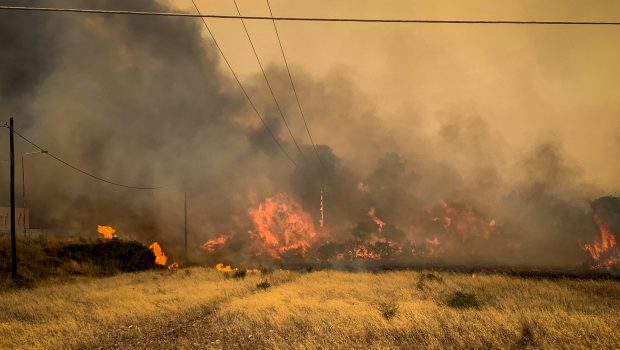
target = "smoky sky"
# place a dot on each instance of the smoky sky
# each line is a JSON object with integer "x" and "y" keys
{"x": 147, "y": 101}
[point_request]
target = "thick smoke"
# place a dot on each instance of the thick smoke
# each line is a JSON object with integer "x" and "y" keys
{"x": 146, "y": 101}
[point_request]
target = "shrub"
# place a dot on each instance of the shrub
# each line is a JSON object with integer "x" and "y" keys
{"x": 266, "y": 271}
{"x": 388, "y": 310}
{"x": 112, "y": 255}
{"x": 428, "y": 276}
{"x": 431, "y": 276}
{"x": 526, "y": 338}
{"x": 463, "y": 300}
{"x": 263, "y": 285}
{"x": 239, "y": 274}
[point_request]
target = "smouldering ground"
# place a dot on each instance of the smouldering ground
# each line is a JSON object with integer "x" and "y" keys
{"x": 199, "y": 308}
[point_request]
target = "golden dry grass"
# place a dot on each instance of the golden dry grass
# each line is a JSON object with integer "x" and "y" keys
{"x": 328, "y": 310}
{"x": 320, "y": 310}
{"x": 61, "y": 316}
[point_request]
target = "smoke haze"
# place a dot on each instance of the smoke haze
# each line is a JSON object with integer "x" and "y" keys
{"x": 147, "y": 101}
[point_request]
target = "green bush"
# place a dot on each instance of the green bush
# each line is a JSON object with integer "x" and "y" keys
{"x": 463, "y": 300}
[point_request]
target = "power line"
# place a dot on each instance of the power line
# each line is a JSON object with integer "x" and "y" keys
{"x": 273, "y": 136}
{"x": 83, "y": 171}
{"x": 247, "y": 33}
{"x": 290, "y": 77}
{"x": 307, "y": 19}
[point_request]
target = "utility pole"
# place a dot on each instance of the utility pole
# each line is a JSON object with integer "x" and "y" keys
{"x": 13, "y": 238}
{"x": 23, "y": 195}
{"x": 185, "y": 214}
{"x": 322, "y": 210}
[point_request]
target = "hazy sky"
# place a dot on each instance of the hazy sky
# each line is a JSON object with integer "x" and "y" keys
{"x": 528, "y": 82}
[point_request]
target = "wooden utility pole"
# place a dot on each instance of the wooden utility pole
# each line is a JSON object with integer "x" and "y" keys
{"x": 185, "y": 214}
{"x": 12, "y": 191}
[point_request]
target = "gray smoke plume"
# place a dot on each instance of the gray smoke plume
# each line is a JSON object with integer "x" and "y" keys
{"x": 146, "y": 101}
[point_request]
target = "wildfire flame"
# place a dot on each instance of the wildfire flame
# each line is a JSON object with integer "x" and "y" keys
{"x": 224, "y": 268}
{"x": 434, "y": 241}
{"x": 465, "y": 221}
{"x": 361, "y": 186}
{"x": 376, "y": 219}
{"x": 281, "y": 225}
{"x": 602, "y": 252}
{"x": 364, "y": 252}
{"x": 106, "y": 231}
{"x": 212, "y": 244}
{"x": 160, "y": 257}
{"x": 376, "y": 248}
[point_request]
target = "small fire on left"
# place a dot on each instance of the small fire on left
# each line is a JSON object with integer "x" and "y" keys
{"x": 106, "y": 231}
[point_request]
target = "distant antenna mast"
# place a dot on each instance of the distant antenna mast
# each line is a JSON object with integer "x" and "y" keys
{"x": 322, "y": 209}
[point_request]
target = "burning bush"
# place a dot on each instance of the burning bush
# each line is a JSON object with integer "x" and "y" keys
{"x": 463, "y": 300}
{"x": 604, "y": 252}
{"x": 281, "y": 225}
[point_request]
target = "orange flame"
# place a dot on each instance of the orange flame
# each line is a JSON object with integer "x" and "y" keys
{"x": 213, "y": 244}
{"x": 160, "y": 257}
{"x": 361, "y": 186}
{"x": 106, "y": 231}
{"x": 376, "y": 248}
{"x": 601, "y": 251}
{"x": 376, "y": 219}
{"x": 364, "y": 252}
{"x": 174, "y": 265}
{"x": 434, "y": 241}
{"x": 224, "y": 268}
{"x": 281, "y": 225}
{"x": 465, "y": 221}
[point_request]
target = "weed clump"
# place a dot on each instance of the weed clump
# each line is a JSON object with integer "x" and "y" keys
{"x": 263, "y": 285}
{"x": 463, "y": 300}
{"x": 427, "y": 276}
{"x": 266, "y": 271}
{"x": 239, "y": 274}
{"x": 527, "y": 338}
{"x": 388, "y": 310}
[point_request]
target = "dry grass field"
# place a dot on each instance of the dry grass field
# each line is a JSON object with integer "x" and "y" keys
{"x": 198, "y": 308}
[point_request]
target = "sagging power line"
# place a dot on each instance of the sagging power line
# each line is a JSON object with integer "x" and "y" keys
{"x": 290, "y": 77}
{"x": 275, "y": 100}
{"x": 245, "y": 93}
{"x": 84, "y": 172}
{"x": 308, "y": 19}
